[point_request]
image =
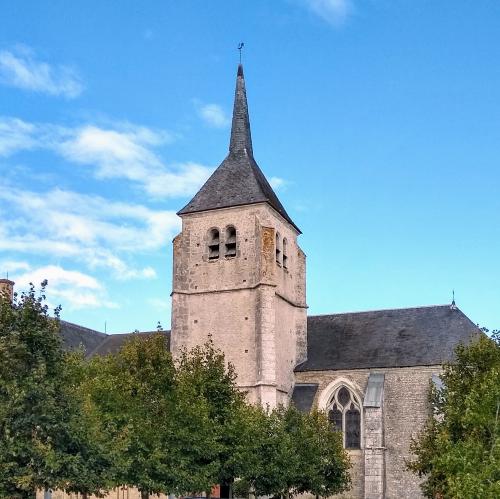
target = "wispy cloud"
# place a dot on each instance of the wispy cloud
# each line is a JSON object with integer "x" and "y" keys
{"x": 213, "y": 115}
{"x": 74, "y": 288}
{"x": 10, "y": 266}
{"x": 16, "y": 135}
{"x": 120, "y": 151}
{"x": 334, "y": 12}
{"x": 277, "y": 183}
{"x": 20, "y": 68}
{"x": 88, "y": 229}
{"x": 160, "y": 304}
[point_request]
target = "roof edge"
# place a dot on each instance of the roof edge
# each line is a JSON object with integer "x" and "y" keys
{"x": 181, "y": 214}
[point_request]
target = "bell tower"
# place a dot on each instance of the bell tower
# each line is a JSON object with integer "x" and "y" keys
{"x": 239, "y": 273}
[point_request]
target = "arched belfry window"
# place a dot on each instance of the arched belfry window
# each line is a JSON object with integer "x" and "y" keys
{"x": 230, "y": 241}
{"x": 344, "y": 414}
{"x": 213, "y": 244}
{"x": 278, "y": 248}
{"x": 285, "y": 253}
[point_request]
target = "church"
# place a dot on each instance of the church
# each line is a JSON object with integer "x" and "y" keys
{"x": 239, "y": 275}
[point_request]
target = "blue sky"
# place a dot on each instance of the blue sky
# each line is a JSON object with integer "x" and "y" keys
{"x": 378, "y": 122}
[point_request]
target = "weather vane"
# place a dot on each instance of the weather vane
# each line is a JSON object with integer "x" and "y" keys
{"x": 240, "y": 47}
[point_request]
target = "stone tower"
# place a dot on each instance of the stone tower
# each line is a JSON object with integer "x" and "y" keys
{"x": 239, "y": 274}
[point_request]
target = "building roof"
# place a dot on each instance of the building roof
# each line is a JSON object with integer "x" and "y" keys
{"x": 238, "y": 180}
{"x": 385, "y": 338}
{"x": 96, "y": 343}
{"x": 303, "y": 395}
{"x": 114, "y": 342}
{"x": 75, "y": 336}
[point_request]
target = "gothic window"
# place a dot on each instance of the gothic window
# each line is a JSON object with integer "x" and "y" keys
{"x": 345, "y": 416}
{"x": 213, "y": 244}
{"x": 230, "y": 241}
{"x": 278, "y": 248}
{"x": 285, "y": 253}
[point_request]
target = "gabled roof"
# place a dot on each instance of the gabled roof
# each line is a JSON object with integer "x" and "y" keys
{"x": 114, "y": 342}
{"x": 96, "y": 343}
{"x": 238, "y": 180}
{"x": 421, "y": 336}
{"x": 75, "y": 336}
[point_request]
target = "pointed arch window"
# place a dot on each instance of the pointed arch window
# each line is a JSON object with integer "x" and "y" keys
{"x": 213, "y": 244}
{"x": 285, "y": 253}
{"x": 230, "y": 241}
{"x": 278, "y": 248}
{"x": 345, "y": 415}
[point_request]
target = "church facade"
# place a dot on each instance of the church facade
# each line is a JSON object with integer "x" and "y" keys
{"x": 239, "y": 276}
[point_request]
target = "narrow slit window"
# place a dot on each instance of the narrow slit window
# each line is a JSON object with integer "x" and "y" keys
{"x": 213, "y": 245}
{"x": 278, "y": 248}
{"x": 230, "y": 241}
{"x": 285, "y": 253}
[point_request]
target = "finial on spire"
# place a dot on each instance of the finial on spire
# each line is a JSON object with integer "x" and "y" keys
{"x": 453, "y": 304}
{"x": 240, "y": 48}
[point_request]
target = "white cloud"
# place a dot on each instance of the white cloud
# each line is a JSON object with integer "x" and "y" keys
{"x": 19, "y": 68}
{"x": 10, "y": 266}
{"x": 74, "y": 288}
{"x": 124, "y": 151}
{"x": 160, "y": 304}
{"x": 277, "y": 183}
{"x": 213, "y": 115}
{"x": 16, "y": 135}
{"x": 89, "y": 229}
{"x": 332, "y": 11}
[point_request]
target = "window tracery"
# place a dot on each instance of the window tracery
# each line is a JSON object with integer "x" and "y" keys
{"x": 345, "y": 415}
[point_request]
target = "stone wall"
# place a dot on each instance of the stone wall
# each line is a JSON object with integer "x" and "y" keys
{"x": 253, "y": 307}
{"x": 379, "y": 468}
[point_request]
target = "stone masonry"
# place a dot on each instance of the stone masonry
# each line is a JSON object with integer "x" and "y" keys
{"x": 379, "y": 468}
{"x": 252, "y": 307}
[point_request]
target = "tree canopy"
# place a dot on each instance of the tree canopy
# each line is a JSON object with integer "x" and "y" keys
{"x": 42, "y": 443}
{"x": 458, "y": 453}
{"x": 142, "y": 419}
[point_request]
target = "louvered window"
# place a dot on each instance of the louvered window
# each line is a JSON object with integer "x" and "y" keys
{"x": 278, "y": 248}
{"x": 213, "y": 244}
{"x": 285, "y": 253}
{"x": 230, "y": 241}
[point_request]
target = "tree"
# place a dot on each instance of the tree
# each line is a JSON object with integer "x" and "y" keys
{"x": 458, "y": 452}
{"x": 289, "y": 453}
{"x": 210, "y": 406}
{"x": 41, "y": 445}
{"x": 129, "y": 400}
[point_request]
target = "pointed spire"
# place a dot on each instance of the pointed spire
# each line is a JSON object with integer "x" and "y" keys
{"x": 238, "y": 180}
{"x": 241, "y": 138}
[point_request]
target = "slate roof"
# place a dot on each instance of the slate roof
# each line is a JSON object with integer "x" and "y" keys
{"x": 75, "y": 336}
{"x": 113, "y": 342}
{"x": 406, "y": 337}
{"x": 303, "y": 395}
{"x": 238, "y": 180}
{"x": 96, "y": 343}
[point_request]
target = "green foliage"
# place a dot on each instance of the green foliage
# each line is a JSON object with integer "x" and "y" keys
{"x": 288, "y": 453}
{"x": 458, "y": 453}
{"x": 129, "y": 405}
{"x": 41, "y": 441}
{"x": 138, "y": 418}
